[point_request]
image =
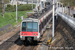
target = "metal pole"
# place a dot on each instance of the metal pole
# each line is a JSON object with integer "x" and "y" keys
{"x": 16, "y": 11}
{"x": 32, "y": 4}
{"x": 27, "y": 1}
{"x": 12, "y": 2}
{"x": 59, "y": 5}
{"x": 40, "y": 6}
{"x": 44, "y": 4}
{"x": 62, "y": 7}
{"x": 3, "y": 9}
{"x": 53, "y": 18}
{"x": 57, "y": 11}
{"x": 37, "y": 6}
{"x": 68, "y": 9}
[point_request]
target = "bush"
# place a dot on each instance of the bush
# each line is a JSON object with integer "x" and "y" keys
{"x": 0, "y": 8}
{"x": 25, "y": 7}
{"x": 10, "y": 8}
{"x": 20, "y": 7}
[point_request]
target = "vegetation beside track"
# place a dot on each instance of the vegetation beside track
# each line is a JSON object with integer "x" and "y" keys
{"x": 10, "y": 18}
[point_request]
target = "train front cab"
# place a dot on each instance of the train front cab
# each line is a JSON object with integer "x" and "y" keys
{"x": 30, "y": 29}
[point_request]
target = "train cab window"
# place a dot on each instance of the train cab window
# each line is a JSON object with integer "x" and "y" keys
{"x": 32, "y": 26}
{"x": 35, "y": 27}
{"x": 29, "y": 26}
{"x": 24, "y": 26}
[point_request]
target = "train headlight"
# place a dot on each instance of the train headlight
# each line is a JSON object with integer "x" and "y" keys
{"x": 23, "y": 33}
{"x": 35, "y": 34}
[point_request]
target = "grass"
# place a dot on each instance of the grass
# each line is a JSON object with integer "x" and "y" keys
{"x": 10, "y": 18}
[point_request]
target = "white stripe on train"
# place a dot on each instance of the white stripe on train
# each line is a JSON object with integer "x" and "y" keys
{"x": 42, "y": 19}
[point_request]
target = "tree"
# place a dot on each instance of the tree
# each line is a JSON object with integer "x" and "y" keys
{"x": 3, "y": 5}
{"x": 68, "y": 2}
{"x": 0, "y": 6}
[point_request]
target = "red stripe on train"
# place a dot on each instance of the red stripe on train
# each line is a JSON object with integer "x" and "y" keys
{"x": 40, "y": 20}
{"x": 43, "y": 18}
{"x": 23, "y": 33}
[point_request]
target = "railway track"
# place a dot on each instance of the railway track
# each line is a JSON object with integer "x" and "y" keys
{"x": 10, "y": 41}
{"x": 28, "y": 47}
{"x": 34, "y": 45}
{"x": 16, "y": 40}
{"x": 7, "y": 45}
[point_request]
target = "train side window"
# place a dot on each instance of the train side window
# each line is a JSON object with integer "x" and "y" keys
{"x": 45, "y": 21}
{"x": 24, "y": 26}
{"x": 39, "y": 28}
{"x": 47, "y": 18}
{"x": 42, "y": 25}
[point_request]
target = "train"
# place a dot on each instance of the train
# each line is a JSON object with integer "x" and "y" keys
{"x": 33, "y": 27}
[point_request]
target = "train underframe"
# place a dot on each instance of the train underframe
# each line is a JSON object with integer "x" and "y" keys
{"x": 30, "y": 38}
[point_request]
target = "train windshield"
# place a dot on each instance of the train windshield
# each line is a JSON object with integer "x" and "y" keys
{"x": 24, "y": 26}
{"x": 30, "y": 26}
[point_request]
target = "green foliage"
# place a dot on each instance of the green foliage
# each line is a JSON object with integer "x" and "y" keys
{"x": 6, "y": 1}
{"x": 10, "y": 18}
{"x": 0, "y": 8}
{"x": 34, "y": 5}
{"x": 10, "y": 8}
{"x": 25, "y": 7}
{"x": 68, "y": 2}
{"x": 21, "y": 7}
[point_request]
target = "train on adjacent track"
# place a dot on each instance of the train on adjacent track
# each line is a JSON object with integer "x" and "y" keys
{"x": 33, "y": 26}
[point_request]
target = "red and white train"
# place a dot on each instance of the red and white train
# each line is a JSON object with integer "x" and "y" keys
{"x": 34, "y": 26}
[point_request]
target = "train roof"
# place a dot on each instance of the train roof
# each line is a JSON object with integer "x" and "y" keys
{"x": 40, "y": 15}
{"x": 29, "y": 19}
